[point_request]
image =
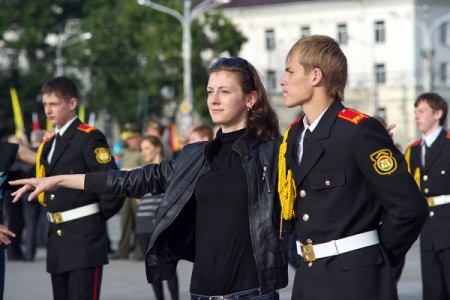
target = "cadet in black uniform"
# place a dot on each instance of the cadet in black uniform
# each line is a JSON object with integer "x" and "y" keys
{"x": 76, "y": 246}
{"x": 429, "y": 162}
{"x": 355, "y": 207}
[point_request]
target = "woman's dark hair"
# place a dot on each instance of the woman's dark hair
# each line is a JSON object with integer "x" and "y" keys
{"x": 261, "y": 117}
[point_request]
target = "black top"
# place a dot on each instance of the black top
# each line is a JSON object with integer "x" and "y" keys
{"x": 224, "y": 261}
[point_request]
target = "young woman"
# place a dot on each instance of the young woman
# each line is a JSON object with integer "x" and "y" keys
{"x": 220, "y": 207}
{"x": 152, "y": 152}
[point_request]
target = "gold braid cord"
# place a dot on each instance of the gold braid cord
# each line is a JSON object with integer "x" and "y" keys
{"x": 40, "y": 172}
{"x": 286, "y": 184}
{"x": 416, "y": 171}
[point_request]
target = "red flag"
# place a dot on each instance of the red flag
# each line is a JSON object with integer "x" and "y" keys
{"x": 35, "y": 121}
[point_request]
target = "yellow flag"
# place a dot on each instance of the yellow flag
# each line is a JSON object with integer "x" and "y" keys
{"x": 82, "y": 112}
{"x": 18, "y": 118}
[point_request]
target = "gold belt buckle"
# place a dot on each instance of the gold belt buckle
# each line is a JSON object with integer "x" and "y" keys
{"x": 57, "y": 218}
{"x": 308, "y": 252}
{"x": 430, "y": 201}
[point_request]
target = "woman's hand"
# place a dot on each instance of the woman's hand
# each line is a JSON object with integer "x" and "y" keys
{"x": 36, "y": 185}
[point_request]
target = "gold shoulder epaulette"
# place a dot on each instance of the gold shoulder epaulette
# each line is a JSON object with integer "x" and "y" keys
{"x": 352, "y": 116}
{"x": 86, "y": 128}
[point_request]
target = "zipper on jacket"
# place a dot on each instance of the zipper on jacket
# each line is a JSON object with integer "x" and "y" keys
{"x": 264, "y": 178}
{"x": 243, "y": 160}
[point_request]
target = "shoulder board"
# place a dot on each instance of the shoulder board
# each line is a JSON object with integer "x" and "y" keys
{"x": 448, "y": 135}
{"x": 415, "y": 143}
{"x": 352, "y": 115}
{"x": 86, "y": 128}
{"x": 296, "y": 121}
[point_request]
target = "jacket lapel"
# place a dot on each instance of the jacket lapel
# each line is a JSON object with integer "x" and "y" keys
{"x": 314, "y": 149}
{"x": 436, "y": 149}
{"x": 63, "y": 144}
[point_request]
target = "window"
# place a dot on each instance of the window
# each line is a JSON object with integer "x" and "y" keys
{"x": 342, "y": 36}
{"x": 270, "y": 39}
{"x": 443, "y": 72}
{"x": 380, "y": 34}
{"x": 305, "y": 31}
{"x": 271, "y": 81}
{"x": 380, "y": 73}
{"x": 444, "y": 32}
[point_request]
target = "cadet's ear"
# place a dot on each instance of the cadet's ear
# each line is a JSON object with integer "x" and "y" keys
{"x": 73, "y": 103}
{"x": 317, "y": 76}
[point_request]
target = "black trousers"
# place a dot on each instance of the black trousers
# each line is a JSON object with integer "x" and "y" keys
{"x": 81, "y": 284}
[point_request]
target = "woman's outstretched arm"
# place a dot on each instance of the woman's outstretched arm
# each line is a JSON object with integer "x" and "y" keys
{"x": 39, "y": 185}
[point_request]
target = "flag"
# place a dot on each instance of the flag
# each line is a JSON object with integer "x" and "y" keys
{"x": 35, "y": 121}
{"x": 92, "y": 119}
{"x": 174, "y": 142}
{"x": 82, "y": 112}
{"x": 18, "y": 118}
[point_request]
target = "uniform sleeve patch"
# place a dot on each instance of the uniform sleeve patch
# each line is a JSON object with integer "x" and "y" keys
{"x": 102, "y": 155}
{"x": 384, "y": 162}
{"x": 352, "y": 115}
{"x": 86, "y": 128}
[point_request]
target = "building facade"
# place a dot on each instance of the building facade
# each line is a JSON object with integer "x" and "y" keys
{"x": 396, "y": 49}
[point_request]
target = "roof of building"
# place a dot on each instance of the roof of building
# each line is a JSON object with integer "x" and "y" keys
{"x": 244, "y": 3}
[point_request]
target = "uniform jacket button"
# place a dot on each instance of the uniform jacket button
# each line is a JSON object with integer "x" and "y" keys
{"x": 431, "y": 214}
{"x": 426, "y": 190}
{"x": 327, "y": 182}
{"x": 52, "y": 196}
{"x": 425, "y": 177}
{"x": 59, "y": 232}
{"x": 305, "y": 217}
{"x": 302, "y": 193}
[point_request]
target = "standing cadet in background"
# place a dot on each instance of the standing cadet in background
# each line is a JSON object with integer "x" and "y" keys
{"x": 130, "y": 159}
{"x": 152, "y": 153}
{"x": 77, "y": 243}
{"x": 357, "y": 210}
{"x": 429, "y": 162}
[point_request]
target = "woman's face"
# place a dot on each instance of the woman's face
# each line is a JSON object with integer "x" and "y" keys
{"x": 227, "y": 103}
{"x": 149, "y": 152}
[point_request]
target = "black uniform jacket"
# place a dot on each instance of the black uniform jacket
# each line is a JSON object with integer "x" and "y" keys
{"x": 79, "y": 243}
{"x": 173, "y": 235}
{"x": 352, "y": 179}
{"x": 434, "y": 180}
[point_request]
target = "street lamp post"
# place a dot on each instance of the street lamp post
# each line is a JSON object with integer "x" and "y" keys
{"x": 189, "y": 14}
{"x": 64, "y": 42}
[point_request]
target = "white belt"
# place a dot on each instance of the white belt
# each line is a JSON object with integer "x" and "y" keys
{"x": 72, "y": 214}
{"x": 311, "y": 252}
{"x": 438, "y": 200}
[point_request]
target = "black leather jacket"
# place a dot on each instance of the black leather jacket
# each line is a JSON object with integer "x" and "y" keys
{"x": 173, "y": 234}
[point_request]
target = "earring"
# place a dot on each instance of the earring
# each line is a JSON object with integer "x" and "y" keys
{"x": 248, "y": 108}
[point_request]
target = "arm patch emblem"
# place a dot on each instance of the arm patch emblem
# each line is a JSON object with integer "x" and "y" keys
{"x": 383, "y": 162}
{"x": 102, "y": 155}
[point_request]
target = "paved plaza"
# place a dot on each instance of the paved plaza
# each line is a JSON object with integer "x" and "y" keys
{"x": 125, "y": 279}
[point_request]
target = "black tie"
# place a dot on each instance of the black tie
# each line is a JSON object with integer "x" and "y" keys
{"x": 427, "y": 155}
{"x": 57, "y": 138}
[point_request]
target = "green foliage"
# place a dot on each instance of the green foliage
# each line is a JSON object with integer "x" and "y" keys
{"x": 134, "y": 52}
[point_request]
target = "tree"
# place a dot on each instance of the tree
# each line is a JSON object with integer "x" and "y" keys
{"x": 133, "y": 54}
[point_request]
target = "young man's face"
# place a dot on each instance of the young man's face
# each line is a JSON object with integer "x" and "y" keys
{"x": 57, "y": 110}
{"x": 297, "y": 85}
{"x": 427, "y": 120}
